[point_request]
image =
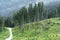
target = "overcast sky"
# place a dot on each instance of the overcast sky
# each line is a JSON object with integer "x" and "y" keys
{"x": 8, "y": 5}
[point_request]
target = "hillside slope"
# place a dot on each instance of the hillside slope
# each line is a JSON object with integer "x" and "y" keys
{"x": 48, "y": 29}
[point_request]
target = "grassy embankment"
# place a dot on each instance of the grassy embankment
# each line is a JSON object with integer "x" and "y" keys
{"x": 4, "y": 34}
{"x": 48, "y": 29}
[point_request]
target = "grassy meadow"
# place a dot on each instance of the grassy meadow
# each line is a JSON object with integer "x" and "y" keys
{"x": 4, "y": 34}
{"x": 48, "y": 29}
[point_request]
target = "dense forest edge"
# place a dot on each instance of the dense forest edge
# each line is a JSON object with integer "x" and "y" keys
{"x": 30, "y": 14}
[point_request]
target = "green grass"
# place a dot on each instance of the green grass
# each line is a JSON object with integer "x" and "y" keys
{"x": 4, "y": 34}
{"x": 40, "y": 30}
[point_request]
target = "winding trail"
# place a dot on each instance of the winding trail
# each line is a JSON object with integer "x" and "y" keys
{"x": 10, "y": 37}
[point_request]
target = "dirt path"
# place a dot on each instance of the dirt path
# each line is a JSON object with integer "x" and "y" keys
{"x": 10, "y": 37}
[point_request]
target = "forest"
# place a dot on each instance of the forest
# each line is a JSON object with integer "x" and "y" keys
{"x": 30, "y": 14}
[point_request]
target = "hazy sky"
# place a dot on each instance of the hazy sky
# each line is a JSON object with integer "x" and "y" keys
{"x": 9, "y": 5}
